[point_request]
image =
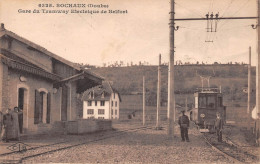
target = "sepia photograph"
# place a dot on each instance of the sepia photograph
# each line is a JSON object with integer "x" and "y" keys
{"x": 129, "y": 81}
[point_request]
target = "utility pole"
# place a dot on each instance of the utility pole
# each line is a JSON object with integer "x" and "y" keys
{"x": 249, "y": 83}
{"x": 258, "y": 74}
{"x": 143, "y": 100}
{"x": 171, "y": 97}
{"x": 232, "y": 96}
{"x": 158, "y": 95}
{"x": 186, "y": 104}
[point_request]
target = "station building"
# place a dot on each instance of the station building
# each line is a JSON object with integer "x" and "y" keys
{"x": 45, "y": 86}
{"x": 101, "y": 102}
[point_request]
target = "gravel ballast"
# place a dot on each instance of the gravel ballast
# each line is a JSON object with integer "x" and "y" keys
{"x": 145, "y": 146}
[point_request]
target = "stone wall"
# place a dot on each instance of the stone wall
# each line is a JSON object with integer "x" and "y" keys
{"x": 82, "y": 126}
{"x": 4, "y": 87}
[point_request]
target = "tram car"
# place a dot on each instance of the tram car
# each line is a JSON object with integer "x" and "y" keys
{"x": 208, "y": 101}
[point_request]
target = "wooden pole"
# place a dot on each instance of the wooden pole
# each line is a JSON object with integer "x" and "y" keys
{"x": 186, "y": 104}
{"x": 171, "y": 97}
{"x": 158, "y": 94}
{"x": 249, "y": 83}
{"x": 258, "y": 73}
{"x": 143, "y": 100}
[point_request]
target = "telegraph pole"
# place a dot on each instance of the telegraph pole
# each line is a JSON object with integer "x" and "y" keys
{"x": 186, "y": 104}
{"x": 143, "y": 100}
{"x": 249, "y": 83}
{"x": 258, "y": 73}
{"x": 158, "y": 94}
{"x": 171, "y": 97}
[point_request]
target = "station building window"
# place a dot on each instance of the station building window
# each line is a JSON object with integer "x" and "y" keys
{"x": 91, "y": 95}
{"x": 102, "y": 103}
{"x": 202, "y": 102}
{"x": 90, "y": 111}
{"x": 101, "y": 111}
{"x": 89, "y": 103}
{"x": 220, "y": 102}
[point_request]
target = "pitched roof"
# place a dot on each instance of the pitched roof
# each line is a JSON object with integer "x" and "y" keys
{"x": 4, "y": 32}
{"x": 28, "y": 68}
{"x": 87, "y": 73}
{"x": 105, "y": 89}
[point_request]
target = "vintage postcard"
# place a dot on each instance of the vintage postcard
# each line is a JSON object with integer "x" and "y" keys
{"x": 129, "y": 81}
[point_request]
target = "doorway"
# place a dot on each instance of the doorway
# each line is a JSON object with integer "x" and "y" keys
{"x": 64, "y": 101}
{"x": 21, "y": 104}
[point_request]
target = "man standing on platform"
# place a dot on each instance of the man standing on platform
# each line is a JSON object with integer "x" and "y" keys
{"x": 219, "y": 126}
{"x": 184, "y": 123}
{"x": 7, "y": 122}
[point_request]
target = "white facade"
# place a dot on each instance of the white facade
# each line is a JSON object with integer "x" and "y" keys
{"x": 114, "y": 101}
{"x": 96, "y": 109}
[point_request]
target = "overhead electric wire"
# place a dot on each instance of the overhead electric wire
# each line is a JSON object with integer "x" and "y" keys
{"x": 90, "y": 25}
{"x": 242, "y": 6}
{"x": 211, "y": 5}
{"x": 192, "y": 11}
{"x": 227, "y": 7}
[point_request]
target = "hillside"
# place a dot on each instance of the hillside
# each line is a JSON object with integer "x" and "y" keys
{"x": 231, "y": 78}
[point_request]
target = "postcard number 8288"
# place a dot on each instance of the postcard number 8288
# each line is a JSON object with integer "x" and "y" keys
{"x": 45, "y": 5}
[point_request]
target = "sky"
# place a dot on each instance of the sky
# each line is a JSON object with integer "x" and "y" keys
{"x": 140, "y": 35}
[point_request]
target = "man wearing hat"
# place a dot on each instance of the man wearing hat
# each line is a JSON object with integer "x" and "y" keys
{"x": 219, "y": 126}
{"x": 184, "y": 123}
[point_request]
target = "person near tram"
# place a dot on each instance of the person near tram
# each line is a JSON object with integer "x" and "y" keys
{"x": 184, "y": 123}
{"x": 219, "y": 126}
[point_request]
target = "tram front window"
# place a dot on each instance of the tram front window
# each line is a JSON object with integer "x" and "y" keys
{"x": 220, "y": 101}
{"x": 202, "y": 102}
{"x": 211, "y": 102}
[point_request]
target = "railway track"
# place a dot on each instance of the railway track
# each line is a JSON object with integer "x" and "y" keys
{"x": 19, "y": 157}
{"x": 230, "y": 151}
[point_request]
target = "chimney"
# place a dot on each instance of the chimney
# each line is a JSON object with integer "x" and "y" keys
{"x": 2, "y": 26}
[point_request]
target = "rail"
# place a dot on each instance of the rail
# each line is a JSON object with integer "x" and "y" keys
{"x": 59, "y": 146}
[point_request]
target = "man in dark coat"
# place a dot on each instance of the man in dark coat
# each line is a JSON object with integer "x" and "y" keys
{"x": 20, "y": 119}
{"x": 7, "y": 122}
{"x": 219, "y": 126}
{"x": 184, "y": 123}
